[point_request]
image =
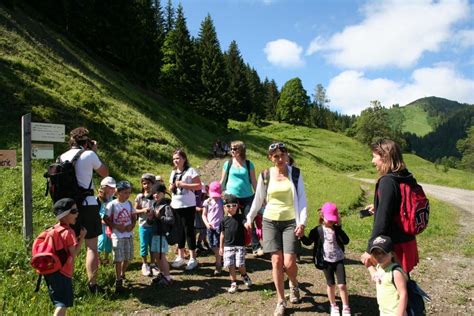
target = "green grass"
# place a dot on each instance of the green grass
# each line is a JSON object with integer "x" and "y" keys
{"x": 43, "y": 73}
{"x": 416, "y": 120}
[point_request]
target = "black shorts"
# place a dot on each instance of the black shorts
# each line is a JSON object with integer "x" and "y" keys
{"x": 90, "y": 219}
{"x": 60, "y": 289}
{"x": 335, "y": 268}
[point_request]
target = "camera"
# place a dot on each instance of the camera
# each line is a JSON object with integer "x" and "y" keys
{"x": 364, "y": 213}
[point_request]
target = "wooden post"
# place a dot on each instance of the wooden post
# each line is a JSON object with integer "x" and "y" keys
{"x": 27, "y": 183}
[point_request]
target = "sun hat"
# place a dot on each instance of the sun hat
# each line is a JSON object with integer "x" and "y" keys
{"x": 148, "y": 176}
{"x": 383, "y": 243}
{"x": 122, "y": 185}
{"x": 330, "y": 212}
{"x": 63, "y": 207}
{"x": 108, "y": 182}
{"x": 215, "y": 189}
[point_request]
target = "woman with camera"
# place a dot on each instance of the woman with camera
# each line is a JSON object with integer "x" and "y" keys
{"x": 184, "y": 180}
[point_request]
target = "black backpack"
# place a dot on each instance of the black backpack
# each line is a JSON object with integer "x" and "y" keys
{"x": 174, "y": 232}
{"x": 416, "y": 296}
{"x": 61, "y": 181}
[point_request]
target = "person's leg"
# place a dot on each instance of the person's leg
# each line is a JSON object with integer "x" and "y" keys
{"x": 118, "y": 270}
{"x": 331, "y": 290}
{"x": 189, "y": 215}
{"x": 277, "y": 274}
{"x": 92, "y": 260}
{"x": 341, "y": 283}
{"x": 143, "y": 244}
{"x": 291, "y": 268}
{"x": 124, "y": 268}
{"x": 60, "y": 311}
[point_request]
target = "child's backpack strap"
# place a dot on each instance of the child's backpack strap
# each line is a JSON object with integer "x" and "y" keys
{"x": 399, "y": 268}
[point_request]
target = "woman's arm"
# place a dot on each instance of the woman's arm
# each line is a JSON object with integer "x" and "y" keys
{"x": 302, "y": 212}
{"x": 224, "y": 168}
{"x": 194, "y": 186}
{"x": 383, "y": 219}
{"x": 204, "y": 217}
{"x": 260, "y": 195}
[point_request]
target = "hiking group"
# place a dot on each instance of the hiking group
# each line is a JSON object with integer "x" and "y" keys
{"x": 267, "y": 213}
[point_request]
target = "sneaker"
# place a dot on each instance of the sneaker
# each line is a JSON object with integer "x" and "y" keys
{"x": 178, "y": 262}
{"x": 157, "y": 278}
{"x": 247, "y": 280}
{"x": 233, "y": 288}
{"x": 346, "y": 311}
{"x": 280, "y": 309}
{"x": 94, "y": 288}
{"x": 146, "y": 269}
{"x": 217, "y": 271}
{"x": 165, "y": 281}
{"x": 258, "y": 253}
{"x": 192, "y": 264}
{"x": 334, "y": 310}
{"x": 294, "y": 294}
{"x": 155, "y": 270}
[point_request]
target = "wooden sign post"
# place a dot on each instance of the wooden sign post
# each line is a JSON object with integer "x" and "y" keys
{"x": 27, "y": 191}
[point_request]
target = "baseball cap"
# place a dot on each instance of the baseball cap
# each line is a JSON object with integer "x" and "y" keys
{"x": 215, "y": 189}
{"x": 108, "y": 182}
{"x": 383, "y": 243}
{"x": 122, "y": 185}
{"x": 63, "y": 207}
{"x": 230, "y": 199}
{"x": 158, "y": 178}
{"x": 148, "y": 176}
{"x": 330, "y": 212}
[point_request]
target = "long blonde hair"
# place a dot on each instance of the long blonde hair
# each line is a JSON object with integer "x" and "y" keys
{"x": 391, "y": 154}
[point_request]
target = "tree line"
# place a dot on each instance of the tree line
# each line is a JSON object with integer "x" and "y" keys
{"x": 151, "y": 43}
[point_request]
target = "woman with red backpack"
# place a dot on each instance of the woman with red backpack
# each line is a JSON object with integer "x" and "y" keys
{"x": 388, "y": 160}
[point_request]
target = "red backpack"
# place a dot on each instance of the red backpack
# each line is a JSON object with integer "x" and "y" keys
{"x": 414, "y": 209}
{"x": 48, "y": 257}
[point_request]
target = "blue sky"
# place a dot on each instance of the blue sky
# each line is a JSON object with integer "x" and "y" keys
{"x": 391, "y": 51}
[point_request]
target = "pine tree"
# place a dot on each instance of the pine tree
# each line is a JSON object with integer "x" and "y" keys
{"x": 293, "y": 105}
{"x": 213, "y": 96}
{"x": 238, "y": 88}
{"x": 270, "y": 99}
{"x": 256, "y": 92}
{"x": 169, "y": 21}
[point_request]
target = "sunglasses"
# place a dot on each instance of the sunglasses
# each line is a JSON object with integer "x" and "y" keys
{"x": 234, "y": 149}
{"x": 73, "y": 211}
{"x": 276, "y": 146}
{"x": 231, "y": 205}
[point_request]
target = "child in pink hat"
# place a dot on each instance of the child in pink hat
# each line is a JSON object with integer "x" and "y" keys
{"x": 212, "y": 215}
{"x": 328, "y": 254}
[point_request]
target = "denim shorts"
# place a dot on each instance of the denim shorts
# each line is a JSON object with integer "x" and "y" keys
{"x": 155, "y": 244}
{"x": 213, "y": 237}
{"x": 60, "y": 289}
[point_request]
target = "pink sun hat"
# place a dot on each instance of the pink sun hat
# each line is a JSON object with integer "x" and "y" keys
{"x": 215, "y": 189}
{"x": 330, "y": 212}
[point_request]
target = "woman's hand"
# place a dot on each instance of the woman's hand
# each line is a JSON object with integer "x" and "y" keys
{"x": 248, "y": 226}
{"x": 370, "y": 208}
{"x": 299, "y": 231}
{"x": 366, "y": 259}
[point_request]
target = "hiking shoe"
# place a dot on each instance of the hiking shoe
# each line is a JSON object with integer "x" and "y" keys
{"x": 154, "y": 270}
{"x": 334, "y": 310}
{"x": 280, "y": 309}
{"x": 178, "y": 262}
{"x": 294, "y": 294}
{"x": 157, "y": 278}
{"x": 94, "y": 288}
{"x": 247, "y": 280}
{"x": 346, "y": 311}
{"x": 233, "y": 288}
{"x": 164, "y": 281}
{"x": 146, "y": 269}
{"x": 192, "y": 264}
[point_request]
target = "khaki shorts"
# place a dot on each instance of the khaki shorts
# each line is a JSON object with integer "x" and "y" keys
{"x": 122, "y": 249}
{"x": 279, "y": 236}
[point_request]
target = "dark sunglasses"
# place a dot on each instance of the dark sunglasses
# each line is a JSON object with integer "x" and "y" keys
{"x": 231, "y": 205}
{"x": 235, "y": 149}
{"x": 276, "y": 146}
{"x": 73, "y": 211}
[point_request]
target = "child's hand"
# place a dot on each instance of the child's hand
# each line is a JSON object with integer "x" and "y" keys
{"x": 83, "y": 233}
{"x": 299, "y": 230}
{"x": 120, "y": 227}
{"x": 366, "y": 259}
{"x": 221, "y": 251}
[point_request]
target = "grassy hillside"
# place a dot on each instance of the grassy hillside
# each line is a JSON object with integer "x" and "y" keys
{"x": 416, "y": 120}
{"x": 58, "y": 82}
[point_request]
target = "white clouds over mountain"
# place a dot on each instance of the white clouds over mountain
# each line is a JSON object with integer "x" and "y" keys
{"x": 393, "y": 33}
{"x": 351, "y": 91}
{"x": 284, "y": 53}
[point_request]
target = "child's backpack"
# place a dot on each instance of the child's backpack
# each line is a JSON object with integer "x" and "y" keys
{"x": 175, "y": 231}
{"x": 48, "y": 257}
{"x": 414, "y": 209}
{"x": 416, "y": 296}
{"x": 226, "y": 177}
{"x": 61, "y": 181}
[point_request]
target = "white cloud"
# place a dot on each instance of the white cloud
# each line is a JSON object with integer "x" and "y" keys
{"x": 316, "y": 45}
{"x": 284, "y": 53}
{"x": 350, "y": 92}
{"x": 394, "y": 33}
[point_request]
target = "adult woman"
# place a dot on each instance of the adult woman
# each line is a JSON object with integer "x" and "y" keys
{"x": 184, "y": 180}
{"x": 284, "y": 220}
{"x": 238, "y": 178}
{"x": 388, "y": 160}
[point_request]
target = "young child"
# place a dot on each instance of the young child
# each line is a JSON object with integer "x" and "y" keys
{"x": 105, "y": 195}
{"x": 199, "y": 225}
{"x": 161, "y": 218}
{"x": 60, "y": 282}
{"x": 392, "y": 298}
{"x": 329, "y": 239}
{"x": 212, "y": 215}
{"x": 232, "y": 242}
{"x": 120, "y": 216}
{"x": 143, "y": 207}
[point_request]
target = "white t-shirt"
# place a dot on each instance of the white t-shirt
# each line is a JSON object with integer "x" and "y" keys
{"x": 85, "y": 166}
{"x": 144, "y": 203}
{"x": 122, "y": 215}
{"x": 184, "y": 198}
